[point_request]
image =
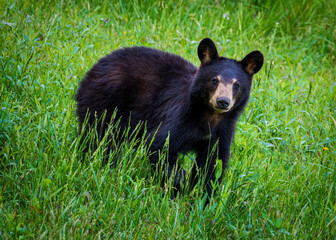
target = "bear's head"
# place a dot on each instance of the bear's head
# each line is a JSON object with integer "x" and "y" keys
{"x": 222, "y": 84}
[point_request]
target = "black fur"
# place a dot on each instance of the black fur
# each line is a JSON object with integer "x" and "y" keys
{"x": 172, "y": 96}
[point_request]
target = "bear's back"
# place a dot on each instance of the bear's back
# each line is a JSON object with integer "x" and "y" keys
{"x": 141, "y": 80}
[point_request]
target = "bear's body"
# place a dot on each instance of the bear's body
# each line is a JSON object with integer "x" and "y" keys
{"x": 196, "y": 107}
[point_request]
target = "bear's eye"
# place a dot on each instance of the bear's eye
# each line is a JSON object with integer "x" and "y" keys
{"x": 214, "y": 81}
{"x": 236, "y": 86}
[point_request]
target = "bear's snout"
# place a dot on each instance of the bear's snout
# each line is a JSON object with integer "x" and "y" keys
{"x": 223, "y": 103}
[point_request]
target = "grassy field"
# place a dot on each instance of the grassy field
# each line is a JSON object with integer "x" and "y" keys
{"x": 281, "y": 180}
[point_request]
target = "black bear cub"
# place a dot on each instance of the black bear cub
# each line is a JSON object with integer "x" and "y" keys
{"x": 197, "y": 108}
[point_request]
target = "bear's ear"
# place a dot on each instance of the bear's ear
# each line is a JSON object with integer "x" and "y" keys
{"x": 253, "y": 62}
{"x": 207, "y": 51}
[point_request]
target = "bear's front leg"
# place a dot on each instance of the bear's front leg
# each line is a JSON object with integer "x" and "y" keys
{"x": 175, "y": 173}
{"x": 170, "y": 170}
{"x": 205, "y": 167}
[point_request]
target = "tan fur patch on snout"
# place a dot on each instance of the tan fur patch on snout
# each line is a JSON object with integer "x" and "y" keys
{"x": 222, "y": 90}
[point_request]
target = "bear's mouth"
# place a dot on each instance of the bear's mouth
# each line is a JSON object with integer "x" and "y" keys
{"x": 219, "y": 110}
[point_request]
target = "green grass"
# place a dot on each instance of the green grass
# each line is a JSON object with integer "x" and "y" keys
{"x": 281, "y": 182}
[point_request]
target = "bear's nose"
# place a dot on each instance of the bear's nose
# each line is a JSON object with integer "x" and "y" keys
{"x": 223, "y": 103}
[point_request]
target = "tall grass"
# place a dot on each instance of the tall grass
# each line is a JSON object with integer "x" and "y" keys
{"x": 281, "y": 182}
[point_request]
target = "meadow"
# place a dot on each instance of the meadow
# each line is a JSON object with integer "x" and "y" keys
{"x": 281, "y": 179}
